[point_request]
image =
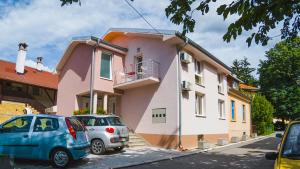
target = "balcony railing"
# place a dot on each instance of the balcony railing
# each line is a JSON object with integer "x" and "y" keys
{"x": 142, "y": 70}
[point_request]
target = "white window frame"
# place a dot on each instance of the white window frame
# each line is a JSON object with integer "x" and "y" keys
{"x": 199, "y": 108}
{"x": 243, "y": 113}
{"x": 235, "y": 85}
{"x": 198, "y": 71}
{"x": 221, "y": 106}
{"x": 220, "y": 80}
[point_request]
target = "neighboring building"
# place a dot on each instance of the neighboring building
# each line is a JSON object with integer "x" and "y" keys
{"x": 239, "y": 109}
{"x": 33, "y": 87}
{"x": 248, "y": 89}
{"x": 165, "y": 87}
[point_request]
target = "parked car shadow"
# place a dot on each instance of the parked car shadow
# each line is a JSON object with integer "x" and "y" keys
{"x": 27, "y": 164}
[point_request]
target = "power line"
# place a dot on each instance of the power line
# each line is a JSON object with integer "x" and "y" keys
{"x": 141, "y": 16}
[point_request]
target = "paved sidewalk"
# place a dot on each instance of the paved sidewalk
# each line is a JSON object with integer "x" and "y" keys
{"x": 110, "y": 160}
{"x": 247, "y": 155}
{"x": 128, "y": 157}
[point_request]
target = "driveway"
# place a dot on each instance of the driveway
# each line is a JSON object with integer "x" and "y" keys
{"x": 241, "y": 156}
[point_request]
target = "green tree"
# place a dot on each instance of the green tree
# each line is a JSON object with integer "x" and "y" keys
{"x": 262, "y": 115}
{"x": 280, "y": 78}
{"x": 247, "y": 15}
{"x": 241, "y": 68}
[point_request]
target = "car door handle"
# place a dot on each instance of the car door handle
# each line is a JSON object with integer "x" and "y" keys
{"x": 91, "y": 129}
{"x": 25, "y": 136}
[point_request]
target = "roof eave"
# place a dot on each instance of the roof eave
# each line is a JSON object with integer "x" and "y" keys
{"x": 89, "y": 40}
{"x": 194, "y": 44}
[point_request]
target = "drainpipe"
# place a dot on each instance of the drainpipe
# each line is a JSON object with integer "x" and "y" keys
{"x": 179, "y": 48}
{"x": 92, "y": 81}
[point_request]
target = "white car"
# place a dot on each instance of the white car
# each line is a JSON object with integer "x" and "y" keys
{"x": 105, "y": 132}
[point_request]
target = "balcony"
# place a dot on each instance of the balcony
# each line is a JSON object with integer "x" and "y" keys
{"x": 144, "y": 73}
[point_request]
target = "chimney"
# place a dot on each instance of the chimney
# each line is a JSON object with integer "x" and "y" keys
{"x": 21, "y": 58}
{"x": 39, "y": 64}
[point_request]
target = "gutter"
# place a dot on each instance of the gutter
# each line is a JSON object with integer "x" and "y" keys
{"x": 92, "y": 80}
{"x": 179, "y": 48}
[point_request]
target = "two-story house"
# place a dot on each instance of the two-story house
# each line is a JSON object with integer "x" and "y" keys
{"x": 239, "y": 116}
{"x": 164, "y": 86}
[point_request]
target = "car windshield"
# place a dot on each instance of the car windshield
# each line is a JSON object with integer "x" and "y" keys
{"x": 292, "y": 143}
{"x": 87, "y": 121}
{"x": 114, "y": 121}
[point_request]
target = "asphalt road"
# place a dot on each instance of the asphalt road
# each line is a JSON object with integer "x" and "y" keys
{"x": 245, "y": 156}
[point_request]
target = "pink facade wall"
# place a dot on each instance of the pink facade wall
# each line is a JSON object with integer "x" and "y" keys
{"x": 74, "y": 79}
{"x": 106, "y": 85}
{"x": 137, "y": 104}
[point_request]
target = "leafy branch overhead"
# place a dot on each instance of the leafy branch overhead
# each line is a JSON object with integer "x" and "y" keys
{"x": 258, "y": 17}
{"x": 261, "y": 14}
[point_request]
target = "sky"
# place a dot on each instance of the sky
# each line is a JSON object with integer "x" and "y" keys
{"x": 48, "y": 28}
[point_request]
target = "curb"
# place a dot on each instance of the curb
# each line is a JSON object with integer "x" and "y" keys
{"x": 192, "y": 152}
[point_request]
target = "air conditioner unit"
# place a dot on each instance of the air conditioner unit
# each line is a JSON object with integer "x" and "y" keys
{"x": 185, "y": 57}
{"x": 186, "y": 86}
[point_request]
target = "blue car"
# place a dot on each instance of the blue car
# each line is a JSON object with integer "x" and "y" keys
{"x": 44, "y": 137}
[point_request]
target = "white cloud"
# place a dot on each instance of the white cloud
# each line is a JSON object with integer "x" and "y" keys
{"x": 47, "y": 28}
{"x": 32, "y": 64}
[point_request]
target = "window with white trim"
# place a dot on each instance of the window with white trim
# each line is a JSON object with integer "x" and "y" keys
{"x": 220, "y": 83}
{"x": 244, "y": 112}
{"x": 199, "y": 104}
{"x": 221, "y": 109}
{"x": 106, "y": 64}
{"x": 198, "y": 72}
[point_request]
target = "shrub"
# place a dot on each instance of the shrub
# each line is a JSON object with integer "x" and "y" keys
{"x": 101, "y": 111}
{"x": 262, "y": 115}
{"x": 81, "y": 112}
{"x": 87, "y": 111}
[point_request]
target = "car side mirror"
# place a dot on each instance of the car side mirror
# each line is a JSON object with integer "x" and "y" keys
{"x": 278, "y": 135}
{"x": 271, "y": 155}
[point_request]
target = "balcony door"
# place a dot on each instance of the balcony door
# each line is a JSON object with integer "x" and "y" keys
{"x": 139, "y": 67}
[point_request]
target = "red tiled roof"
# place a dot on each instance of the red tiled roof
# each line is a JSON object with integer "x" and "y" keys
{"x": 31, "y": 75}
{"x": 247, "y": 87}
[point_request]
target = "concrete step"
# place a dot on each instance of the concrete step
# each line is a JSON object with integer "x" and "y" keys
{"x": 136, "y": 141}
{"x": 137, "y": 145}
{"x": 134, "y": 137}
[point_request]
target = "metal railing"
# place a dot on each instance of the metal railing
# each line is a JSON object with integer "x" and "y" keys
{"x": 142, "y": 70}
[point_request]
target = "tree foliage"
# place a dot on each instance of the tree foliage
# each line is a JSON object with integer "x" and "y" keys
{"x": 241, "y": 68}
{"x": 262, "y": 115}
{"x": 280, "y": 78}
{"x": 248, "y": 14}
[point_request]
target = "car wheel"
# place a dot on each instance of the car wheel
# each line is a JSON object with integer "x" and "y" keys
{"x": 97, "y": 147}
{"x": 60, "y": 158}
{"x": 118, "y": 148}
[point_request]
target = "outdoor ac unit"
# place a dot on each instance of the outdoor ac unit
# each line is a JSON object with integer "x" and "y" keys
{"x": 185, "y": 57}
{"x": 186, "y": 86}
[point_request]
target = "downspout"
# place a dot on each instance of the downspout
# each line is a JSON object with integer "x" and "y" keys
{"x": 179, "y": 48}
{"x": 92, "y": 81}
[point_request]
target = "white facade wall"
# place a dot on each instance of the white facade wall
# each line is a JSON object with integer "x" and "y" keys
{"x": 211, "y": 123}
